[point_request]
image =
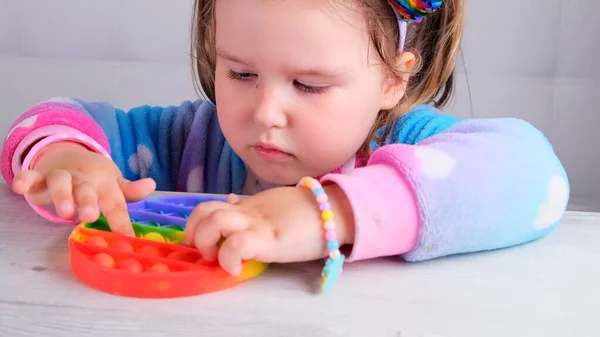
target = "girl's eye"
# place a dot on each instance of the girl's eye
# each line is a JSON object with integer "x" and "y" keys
{"x": 239, "y": 76}
{"x": 302, "y": 87}
{"x": 310, "y": 89}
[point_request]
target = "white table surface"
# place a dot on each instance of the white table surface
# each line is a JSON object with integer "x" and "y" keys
{"x": 547, "y": 288}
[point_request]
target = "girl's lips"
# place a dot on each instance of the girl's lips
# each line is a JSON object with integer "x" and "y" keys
{"x": 271, "y": 153}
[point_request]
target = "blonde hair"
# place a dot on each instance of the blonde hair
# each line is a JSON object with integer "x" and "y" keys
{"x": 435, "y": 42}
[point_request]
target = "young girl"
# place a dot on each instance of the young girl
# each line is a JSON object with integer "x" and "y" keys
{"x": 346, "y": 92}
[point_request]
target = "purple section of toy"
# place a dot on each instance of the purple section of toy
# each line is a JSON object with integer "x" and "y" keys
{"x": 167, "y": 211}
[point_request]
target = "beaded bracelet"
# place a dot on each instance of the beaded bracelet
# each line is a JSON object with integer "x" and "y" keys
{"x": 335, "y": 261}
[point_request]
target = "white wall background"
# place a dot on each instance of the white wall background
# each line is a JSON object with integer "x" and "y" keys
{"x": 538, "y": 60}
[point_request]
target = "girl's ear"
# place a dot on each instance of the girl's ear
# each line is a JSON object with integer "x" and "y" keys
{"x": 395, "y": 87}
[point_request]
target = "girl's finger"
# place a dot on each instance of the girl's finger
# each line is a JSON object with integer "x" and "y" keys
{"x": 233, "y": 199}
{"x": 218, "y": 224}
{"x": 86, "y": 196}
{"x": 244, "y": 245}
{"x": 60, "y": 187}
{"x": 25, "y": 181}
{"x": 114, "y": 206}
{"x": 137, "y": 190}
{"x": 32, "y": 185}
{"x": 200, "y": 212}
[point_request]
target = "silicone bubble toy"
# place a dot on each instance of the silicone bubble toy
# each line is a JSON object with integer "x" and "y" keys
{"x": 154, "y": 264}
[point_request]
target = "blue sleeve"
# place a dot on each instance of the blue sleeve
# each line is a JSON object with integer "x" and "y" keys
{"x": 180, "y": 147}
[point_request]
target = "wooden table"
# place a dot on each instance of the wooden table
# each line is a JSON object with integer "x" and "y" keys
{"x": 547, "y": 288}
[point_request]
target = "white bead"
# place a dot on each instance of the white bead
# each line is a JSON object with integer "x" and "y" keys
{"x": 334, "y": 254}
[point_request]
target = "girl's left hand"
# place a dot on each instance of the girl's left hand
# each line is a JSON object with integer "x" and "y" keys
{"x": 278, "y": 225}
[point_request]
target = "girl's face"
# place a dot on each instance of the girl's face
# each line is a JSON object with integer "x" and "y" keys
{"x": 296, "y": 90}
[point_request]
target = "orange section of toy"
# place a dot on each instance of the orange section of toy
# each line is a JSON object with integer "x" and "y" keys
{"x": 147, "y": 268}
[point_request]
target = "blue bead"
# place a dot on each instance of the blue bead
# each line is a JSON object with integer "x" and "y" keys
{"x": 333, "y": 245}
{"x": 318, "y": 190}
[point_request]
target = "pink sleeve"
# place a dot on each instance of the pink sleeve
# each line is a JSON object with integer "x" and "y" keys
{"x": 483, "y": 184}
{"x": 44, "y": 120}
{"x": 385, "y": 210}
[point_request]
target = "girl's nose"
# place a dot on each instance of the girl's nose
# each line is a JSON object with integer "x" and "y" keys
{"x": 269, "y": 112}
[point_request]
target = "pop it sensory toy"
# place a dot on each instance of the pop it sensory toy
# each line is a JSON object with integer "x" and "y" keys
{"x": 153, "y": 264}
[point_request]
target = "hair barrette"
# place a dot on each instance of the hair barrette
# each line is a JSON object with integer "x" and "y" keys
{"x": 414, "y": 10}
{"x": 411, "y": 11}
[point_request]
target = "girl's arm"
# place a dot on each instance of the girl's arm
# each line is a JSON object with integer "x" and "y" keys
{"x": 177, "y": 146}
{"x": 441, "y": 187}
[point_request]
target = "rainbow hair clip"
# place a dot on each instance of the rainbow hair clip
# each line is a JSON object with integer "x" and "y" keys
{"x": 414, "y": 10}
{"x": 411, "y": 11}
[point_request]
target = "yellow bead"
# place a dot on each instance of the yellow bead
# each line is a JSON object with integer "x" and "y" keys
{"x": 306, "y": 182}
{"x": 327, "y": 215}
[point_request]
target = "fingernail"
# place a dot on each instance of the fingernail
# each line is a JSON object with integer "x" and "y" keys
{"x": 87, "y": 212}
{"x": 66, "y": 207}
{"x": 18, "y": 185}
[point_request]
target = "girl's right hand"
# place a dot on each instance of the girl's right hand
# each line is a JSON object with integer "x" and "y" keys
{"x": 75, "y": 179}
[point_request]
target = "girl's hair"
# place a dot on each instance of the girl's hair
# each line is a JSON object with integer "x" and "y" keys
{"x": 435, "y": 41}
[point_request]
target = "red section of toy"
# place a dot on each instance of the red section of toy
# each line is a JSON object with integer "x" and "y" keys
{"x": 152, "y": 265}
